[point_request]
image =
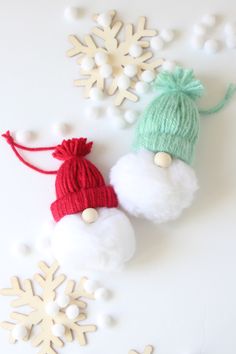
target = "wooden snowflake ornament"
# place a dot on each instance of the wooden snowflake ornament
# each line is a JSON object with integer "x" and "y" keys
{"x": 118, "y": 66}
{"x": 55, "y": 316}
{"x": 148, "y": 350}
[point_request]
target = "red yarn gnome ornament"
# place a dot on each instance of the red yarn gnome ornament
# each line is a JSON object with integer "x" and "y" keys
{"x": 91, "y": 233}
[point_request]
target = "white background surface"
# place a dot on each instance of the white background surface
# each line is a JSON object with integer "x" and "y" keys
{"x": 179, "y": 293}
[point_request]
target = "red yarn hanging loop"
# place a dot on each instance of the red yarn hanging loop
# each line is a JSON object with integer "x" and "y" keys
{"x": 15, "y": 146}
{"x": 72, "y": 148}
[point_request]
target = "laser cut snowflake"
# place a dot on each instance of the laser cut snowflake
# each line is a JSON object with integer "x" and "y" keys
{"x": 38, "y": 322}
{"x": 118, "y": 53}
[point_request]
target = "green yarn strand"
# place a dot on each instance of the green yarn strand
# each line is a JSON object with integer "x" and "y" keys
{"x": 229, "y": 94}
{"x": 179, "y": 81}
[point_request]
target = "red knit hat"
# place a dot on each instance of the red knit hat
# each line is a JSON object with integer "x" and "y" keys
{"x": 79, "y": 184}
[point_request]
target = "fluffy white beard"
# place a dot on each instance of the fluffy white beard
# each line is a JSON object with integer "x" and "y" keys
{"x": 104, "y": 245}
{"x": 155, "y": 193}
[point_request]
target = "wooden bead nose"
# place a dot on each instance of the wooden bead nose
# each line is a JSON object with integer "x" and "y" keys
{"x": 89, "y": 215}
{"x": 162, "y": 159}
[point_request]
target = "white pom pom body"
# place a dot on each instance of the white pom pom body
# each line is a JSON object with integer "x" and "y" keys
{"x": 104, "y": 245}
{"x": 135, "y": 50}
{"x": 150, "y": 191}
{"x": 87, "y": 63}
{"x": 63, "y": 300}
{"x": 105, "y": 70}
{"x": 101, "y": 58}
{"x": 52, "y": 308}
{"x": 130, "y": 70}
{"x": 123, "y": 82}
{"x": 157, "y": 43}
{"x": 19, "y": 332}
{"x": 58, "y": 330}
{"x": 72, "y": 312}
{"x": 96, "y": 94}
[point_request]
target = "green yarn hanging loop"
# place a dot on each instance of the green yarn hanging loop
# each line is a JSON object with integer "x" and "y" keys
{"x": 179, "y": 81}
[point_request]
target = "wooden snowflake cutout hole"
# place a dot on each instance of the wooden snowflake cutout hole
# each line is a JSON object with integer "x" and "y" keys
{"x": 54, "y": 319}
{"x": 120, "y": 68}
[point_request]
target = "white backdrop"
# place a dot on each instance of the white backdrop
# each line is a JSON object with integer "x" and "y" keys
{"x": 179, "y": 292}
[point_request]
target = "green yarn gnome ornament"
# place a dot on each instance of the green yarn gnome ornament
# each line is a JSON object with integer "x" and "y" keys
{"x": 157, "y": 181}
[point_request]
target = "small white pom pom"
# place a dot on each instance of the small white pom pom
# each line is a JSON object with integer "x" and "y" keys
{"x": 61, "y": 128}
{"x": 102, "y": 294}
{"x": 91, "y": 286}
{"x": 197, "y": 42}
{"x": 119, "y": 122}
{"x": 156, "y": 43}
{"x": 96, "y": 94}
{"x": 123, "y": 82}
{"x": 104, "y": 321}
{"x": 63, "y": 300}
{"x": 130, "y": 70}
{"x": 199, "y": 30}
{"x": 89, "y": 215}
{"x": 52, "y": 309}
{"x": 104, "y": 19}
{"x": 93, "y": 112}
{"x": 209, "y": 20}
{"x": 72, "y": 13}
{"x": 167, "y": 35}
{"x": 230, "y": 29}
{"x": 113, "y": 111}
{"x": 130, "y": 116}
{"x": 231, "y": 42}
{"x": 105, "y": 70}
{"x": 21, "y": 249}
{"x": 141, "y": 87}
{"x": 135, "y": 50}
{"x": 72, "y": 312}
{"x": 168, "y": 65}
{"x": 87, "y": 63}
{"x": 101, "y": 58}
{"x": 211, "y": 46}
{"x": 58, "y": 330}
{"x": 25, "y": 136}
{"x": 148, "y": 75}
{"x": 19, "y": 332}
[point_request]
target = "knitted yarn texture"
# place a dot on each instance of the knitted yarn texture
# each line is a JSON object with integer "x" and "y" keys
{"x": 170, "y": 123}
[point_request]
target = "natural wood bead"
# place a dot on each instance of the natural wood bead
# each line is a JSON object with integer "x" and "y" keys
{"x": 89, "y": 215}
{"x": 162, "y": 159}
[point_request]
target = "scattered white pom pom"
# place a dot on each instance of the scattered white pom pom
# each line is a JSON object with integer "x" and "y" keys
{"x": 93, "y": 112}
{"x": 61, "y": 128}
{"x": 156, "y": 193}
{"x": 72, "y": 13}
{"x": 91, "y": 285}
{"x": 52, "y": 309}
{"x": 131, "y": 116}
{"x": 197, "y": 42}
{"x": 20, "y": 249}
{"x": 118, "y": 122}
{"x": 113, "y": 111}
{"x": 105, "y": 70}
{"x": 24, "y": 136}
{"x": 141, "y": 87}
{"x": 135, "y": 50}
{"x": 102, "y": 294}
{"x": 89, "y": 215}
{"x": 130, "y": 70}
{"x": 230, "y": 29}
{"x": 156, "y": 43}
{"x": 104, "y": 19}
{"x": 104, "y": 321}
{"x": 58, "y": 330}
{"x": 63, "y": 300}
{"x": 199, "y": 30}
{"x": 87, "y": 63}
{"x": 102, "y": 246}
{"x": 231, "y": 42}
{"x": 101, "y": 58}
{"x": 148, "y": 75}
{"x": 168, "y": 65}
{"x": 211, "y": 46}
{"x": 72, "y": 312}
{"x": 167, "y": 35}
{"x": 209, "y": 20}
{"x": 123, "y": 82}
{"x": 19, "y": 332}
{"x": 96, "y": 94}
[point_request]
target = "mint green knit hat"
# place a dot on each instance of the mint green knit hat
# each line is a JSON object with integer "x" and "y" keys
{"x": 170, "y": 123}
